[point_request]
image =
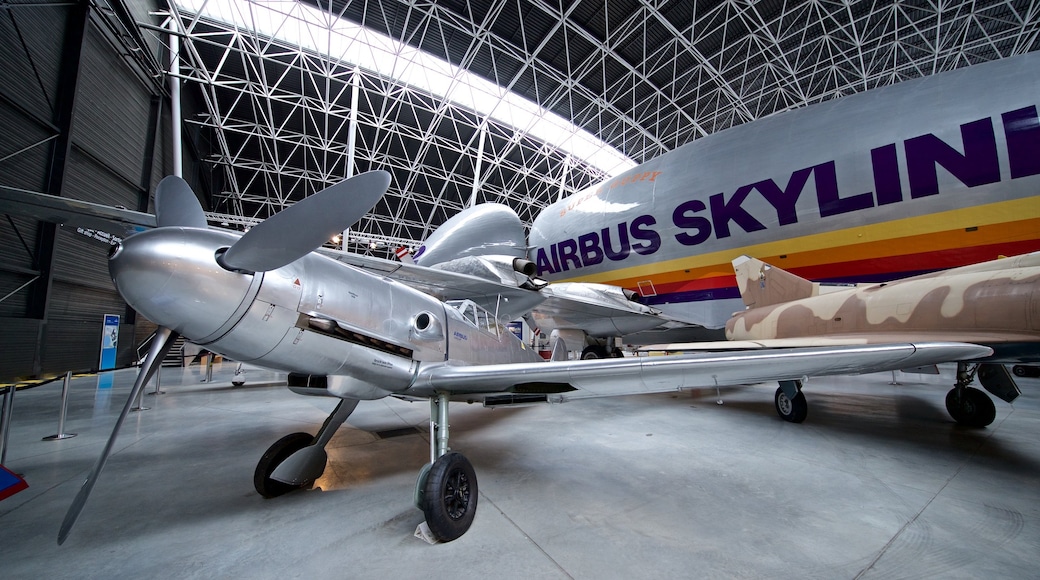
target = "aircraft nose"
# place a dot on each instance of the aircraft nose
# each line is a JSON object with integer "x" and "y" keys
{"x": 170, "y": 276}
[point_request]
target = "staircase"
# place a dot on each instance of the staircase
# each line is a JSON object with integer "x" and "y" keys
{"x": 174, "y": 357}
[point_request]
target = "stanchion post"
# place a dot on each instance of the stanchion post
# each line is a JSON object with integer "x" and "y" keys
{"x": 209, "y": 368}
{"x": 5, "y": 422}
{"x": 61, "y": 434}
{"x": 140, "y": 399}
{"x": 157, "y": 391}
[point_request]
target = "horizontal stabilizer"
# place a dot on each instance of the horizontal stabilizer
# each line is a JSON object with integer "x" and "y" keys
{"x": 763, "y": 285}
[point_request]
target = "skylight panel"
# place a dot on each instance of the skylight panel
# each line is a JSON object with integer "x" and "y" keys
{"x": 316, "y": 30}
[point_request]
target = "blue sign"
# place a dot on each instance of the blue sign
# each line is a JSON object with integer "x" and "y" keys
{"x": 109, "y": 346}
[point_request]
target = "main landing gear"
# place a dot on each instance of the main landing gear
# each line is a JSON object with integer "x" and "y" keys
{"x": 790, "y": 402}
{"x": 446, "y": 490}
{"x": 297, "y": 460}
{"x": 969, "y": 406}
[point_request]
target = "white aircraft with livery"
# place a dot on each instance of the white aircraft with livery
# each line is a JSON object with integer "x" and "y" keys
{"x": 351, "y": 332}
{"x": 924, "y": 175}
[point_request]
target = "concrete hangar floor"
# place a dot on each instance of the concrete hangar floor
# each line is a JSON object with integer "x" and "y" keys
{"x": 877, "y": 483}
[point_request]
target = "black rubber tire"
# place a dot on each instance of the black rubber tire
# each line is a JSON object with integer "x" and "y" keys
{"x": 273, "y": 457}
{"x": 450, "y": 497}
{"x": 974, "y": 409}
{"x": 594, "y": 352}
{"x": 617, "y": 353}
{"x": 791, "y": 410}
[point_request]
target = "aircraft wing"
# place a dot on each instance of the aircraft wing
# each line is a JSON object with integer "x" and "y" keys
{"x": 1007, "y": 346}
{"x": 565, "y": 380}
{"x": 51, "y": 208}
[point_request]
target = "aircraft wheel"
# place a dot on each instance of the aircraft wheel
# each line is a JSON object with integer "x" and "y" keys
{"x": 972, "y": 409}
{"x": 617, "y": 353}
{"x": 450, "y": 498}
{"x": 273, "y": 457}
{"x": 791, "y": 410}
{"x": 594, "y": 352}
{"x": 237, "y": 382}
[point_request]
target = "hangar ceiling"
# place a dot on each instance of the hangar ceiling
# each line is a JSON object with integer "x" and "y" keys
{"x": 643, "y": 76}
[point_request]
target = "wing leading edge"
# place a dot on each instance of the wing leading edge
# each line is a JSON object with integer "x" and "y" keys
{"x": 637, "y": 375}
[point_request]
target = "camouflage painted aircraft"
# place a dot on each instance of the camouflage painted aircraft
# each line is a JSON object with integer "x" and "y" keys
{"x": 995, "y": 303}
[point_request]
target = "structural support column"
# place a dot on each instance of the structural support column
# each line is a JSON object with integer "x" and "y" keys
{"x": 64, "y": 115}
{"x": 175, "y": 98}
{"x": 355, "y": 90}
{"x": 478, "y": 166}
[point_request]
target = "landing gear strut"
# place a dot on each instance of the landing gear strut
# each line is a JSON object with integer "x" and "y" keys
{"x": 446, "y": 490}
{"x": 969, "y": 406}
{"x": 297, "y": 460}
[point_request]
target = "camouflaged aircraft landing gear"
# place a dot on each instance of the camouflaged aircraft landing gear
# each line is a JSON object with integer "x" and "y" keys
{"x": 297, "y": 460}
{"x": 446, "y": 489}
{"x": 969, "y": 406}
{"x": 790, "y": 402}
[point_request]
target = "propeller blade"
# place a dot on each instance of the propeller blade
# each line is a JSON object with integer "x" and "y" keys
{"x": 297, "y": 230}
{"x": 164, "y": 338}
{"x": 176, "y": 204}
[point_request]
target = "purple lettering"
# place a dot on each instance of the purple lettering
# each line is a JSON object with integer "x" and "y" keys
{"x": 1022, "y": 129}
{"x": 568, "y": 253}
{"x": 591, "y": 254}
{"x": 543, "y": 263}
{"x": 641, "y": 231}
{"x": 977, "y": 166}
{"x": 831, "y": 202}
{"x": 684, "y": 221}
{"x": 784, "y": 200}
{"x": 722, "y": 212}
{"x": 885, "y": 164}
{"x": 608, "y": 247}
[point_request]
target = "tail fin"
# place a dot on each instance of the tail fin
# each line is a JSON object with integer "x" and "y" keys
{"x": 763, "y": 285}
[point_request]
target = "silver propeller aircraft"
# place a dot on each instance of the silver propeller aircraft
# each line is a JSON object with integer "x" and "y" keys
{"x": 348, "y": 331}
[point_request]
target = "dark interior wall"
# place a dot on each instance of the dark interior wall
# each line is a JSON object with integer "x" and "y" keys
{"x": 84, "y": 116}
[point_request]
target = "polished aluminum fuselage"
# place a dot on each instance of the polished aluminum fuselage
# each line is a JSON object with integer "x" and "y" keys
{"x": 313, "y": 316}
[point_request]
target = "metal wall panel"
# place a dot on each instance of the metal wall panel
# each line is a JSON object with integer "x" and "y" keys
{"x": 24, "y": 150}
{"x": 30, "y": 50}
{"x": 112, "y": 112}
{"x": 106, "y": 163}
{"x": 83, "y": 261}
{"x": 18, "y": 343}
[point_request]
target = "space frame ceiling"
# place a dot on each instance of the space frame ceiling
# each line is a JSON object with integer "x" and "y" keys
{"x": 645, "y": 77}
